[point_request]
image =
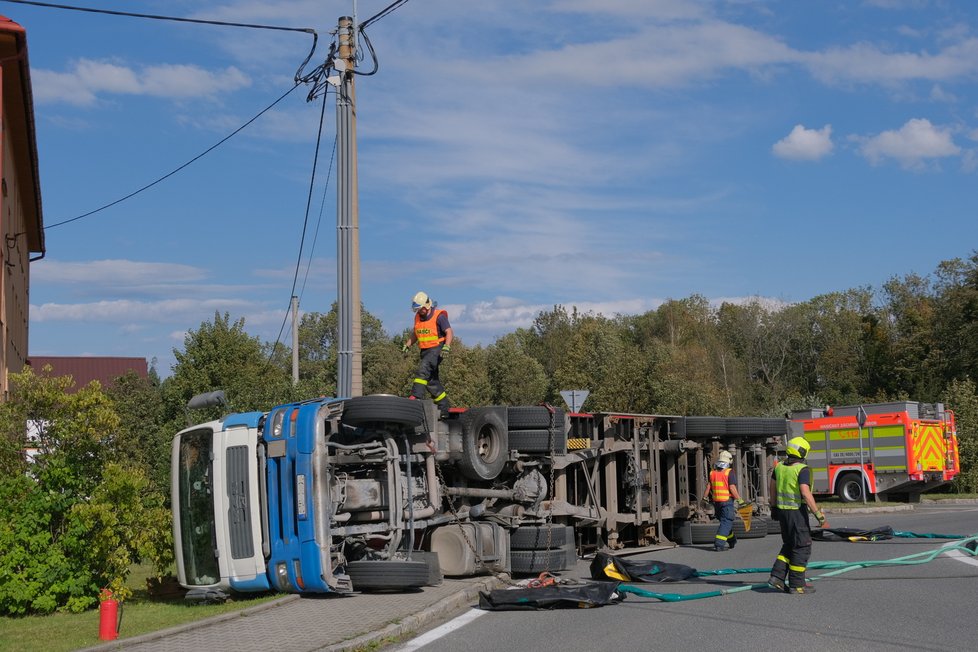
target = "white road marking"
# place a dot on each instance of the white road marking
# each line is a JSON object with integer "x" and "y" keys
{"x": 442, "y": 630}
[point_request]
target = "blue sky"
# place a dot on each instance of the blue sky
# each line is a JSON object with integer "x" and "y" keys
{"x": 604, "y": 154}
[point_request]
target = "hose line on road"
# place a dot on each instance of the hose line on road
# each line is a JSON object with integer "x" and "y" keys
{"x": 968, "y": 545}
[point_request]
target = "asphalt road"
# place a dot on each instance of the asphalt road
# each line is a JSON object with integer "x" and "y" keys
{"x": 924, "y": 606}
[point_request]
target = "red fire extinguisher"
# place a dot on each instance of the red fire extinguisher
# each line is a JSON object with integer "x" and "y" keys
{"x": 109, "y": 616}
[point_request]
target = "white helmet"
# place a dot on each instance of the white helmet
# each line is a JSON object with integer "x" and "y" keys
{"x": 420, "y": 300}
{"x": 724, "y": 459}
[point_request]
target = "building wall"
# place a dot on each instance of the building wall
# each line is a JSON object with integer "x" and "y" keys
{"x": 21, "y": 223}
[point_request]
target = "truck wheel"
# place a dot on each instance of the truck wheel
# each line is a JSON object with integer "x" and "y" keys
{"x": 382, "y": 408}
{"x": 538, "y": 441}
{"x": 533, "y": 417}
{"x": 485, "y": 444}
{"x": 850, "y": 488}
{"x": 703, "y": 532}
{"x": 773, "y": 526}
{"x": 758, "y": 528}
{"x": 387, "y": 575}
{"x": 537, "y": 537}
{"x": 537, "y": 561}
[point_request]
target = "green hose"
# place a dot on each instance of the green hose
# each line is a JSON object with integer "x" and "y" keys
{"x": 837, "y": 568}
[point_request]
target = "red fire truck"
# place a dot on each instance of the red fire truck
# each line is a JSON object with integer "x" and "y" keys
{"x": 898, "y": 449}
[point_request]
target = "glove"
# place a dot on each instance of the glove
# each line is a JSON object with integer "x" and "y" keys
{"x": 446, "y": 349}
{"x": 820, "y": 517}
{"x": 740, "y": 502}
{"x": 405, "y": 347}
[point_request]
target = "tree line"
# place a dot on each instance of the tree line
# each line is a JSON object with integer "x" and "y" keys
{"x": 97, "y": 490}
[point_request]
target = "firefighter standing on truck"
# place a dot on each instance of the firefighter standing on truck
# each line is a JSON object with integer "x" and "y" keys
{"x": 790, "y": 484}
{"x": 433, "y": 333}
{"x": 723, "y": 489}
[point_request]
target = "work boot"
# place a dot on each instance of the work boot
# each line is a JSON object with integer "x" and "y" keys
{"x": 777, "y": 583}
{"x": 732, "y": 541}
{"x": 719, "y": 548}
{"x": 800, "y": 590}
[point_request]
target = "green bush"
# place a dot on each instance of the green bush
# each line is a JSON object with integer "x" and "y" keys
{"x": 75, "y": 520}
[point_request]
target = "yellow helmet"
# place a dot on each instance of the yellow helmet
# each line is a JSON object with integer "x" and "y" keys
{"x": 798, "y": 447}
{"x": 420, "y": 300}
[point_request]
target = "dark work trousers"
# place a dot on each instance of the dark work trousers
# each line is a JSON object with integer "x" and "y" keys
{"x": 796, "y": 547}
{"x": 725, "y": 537}
{"x": 427, "y": 378}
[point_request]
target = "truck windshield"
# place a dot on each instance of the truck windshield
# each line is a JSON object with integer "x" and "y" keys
{"x": 197, "y": 537}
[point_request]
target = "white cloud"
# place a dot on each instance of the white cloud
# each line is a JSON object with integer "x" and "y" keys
{"x": 137, "y": 311}
{"x": 88, "y": 79}
{"x": 114, "y": 272}
{"x": 866, "y": 63}
{"x": 911, "y": 144}
{"x": 805, "y": 144}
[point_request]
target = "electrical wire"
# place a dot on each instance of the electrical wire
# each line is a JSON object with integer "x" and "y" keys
{"x": 305, "y": 225}
{"x": 175, "y": 170}
{"x": 397, "y": 4}
{"x": 92, "y": 10}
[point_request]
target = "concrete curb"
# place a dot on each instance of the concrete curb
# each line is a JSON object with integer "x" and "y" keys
{"x": 412, "y": 624}
{"x": 177, "y": 629}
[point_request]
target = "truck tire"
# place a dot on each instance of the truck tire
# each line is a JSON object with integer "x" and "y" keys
{"x": 534, "y": 417}
{"x": 773, "y": 526}
{"x": 537, "y": 537}
{"x": 538, "y": 441}
{"x": 700, "y": 533}
{"x": 850, "y": 488}
{"x": 485, "y": 444}
{"x": 538, "y": 561}
{"x": 382, "y": 408}
{"x": 706, "y": 426}
{"x": 389, "y": 575}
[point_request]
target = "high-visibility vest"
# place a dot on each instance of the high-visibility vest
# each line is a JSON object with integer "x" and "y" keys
{"x": 786, "y": 483}
{"x": 426, "y": 331}
{"x": 720, "y": 485}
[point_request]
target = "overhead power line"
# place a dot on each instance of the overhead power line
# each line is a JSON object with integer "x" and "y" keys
{"x": 397, "y": 4}
{"x": 93, "y": 10}
{"x": 174, "y": 171}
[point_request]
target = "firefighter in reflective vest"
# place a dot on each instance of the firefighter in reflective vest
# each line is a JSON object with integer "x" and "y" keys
{"x": 434, "y": 336}
{"x": 723, "y": 489}
{"x": 790, "y": 485}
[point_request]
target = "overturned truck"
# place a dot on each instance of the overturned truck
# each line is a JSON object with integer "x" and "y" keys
{"x": 377, "y": 492}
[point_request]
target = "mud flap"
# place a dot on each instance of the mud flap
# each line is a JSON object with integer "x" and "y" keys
{"x": 580, "y": 596}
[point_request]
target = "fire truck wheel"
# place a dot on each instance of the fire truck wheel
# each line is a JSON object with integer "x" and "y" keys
{"x": 387, "y": 575}
{"x": 850, "y": 488}
{"x": 382, "y": 408}
{"x": 485, "y": 444}
{"x": 537, "y": 537}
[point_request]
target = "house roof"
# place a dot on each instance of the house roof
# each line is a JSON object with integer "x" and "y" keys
{"x": 18, "y": 104}
{"x": 85, "y": 369}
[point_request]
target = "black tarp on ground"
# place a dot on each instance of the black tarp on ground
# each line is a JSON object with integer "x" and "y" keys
{"x": 609, "y": 567}
{"x": 852, "y": 534}
{"x": 579, "y": 596}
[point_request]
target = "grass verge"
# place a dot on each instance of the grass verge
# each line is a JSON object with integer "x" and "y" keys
{"x": 141, "y": 614}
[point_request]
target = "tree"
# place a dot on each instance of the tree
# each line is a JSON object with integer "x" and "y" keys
{"x": 76, "y": 518}
{"x": 141, "y": 436}
{"x": 515, "y": 378}
{"x": 962, "y": 397}
{"x": 221, "y": 355}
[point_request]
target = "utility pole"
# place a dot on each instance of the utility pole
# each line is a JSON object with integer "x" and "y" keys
{"x": 349, "y": 380}
{"x": 295, "y": 340}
